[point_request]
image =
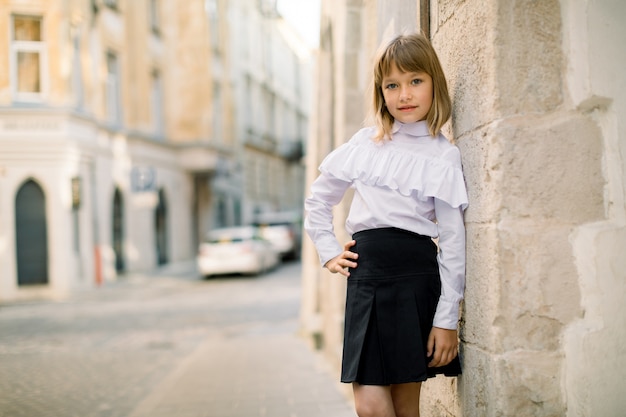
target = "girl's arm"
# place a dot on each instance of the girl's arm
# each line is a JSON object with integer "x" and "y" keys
{"x": 443, "y": 340}
{"x": 326, "y": 192}
{"x": 451, "y": 260}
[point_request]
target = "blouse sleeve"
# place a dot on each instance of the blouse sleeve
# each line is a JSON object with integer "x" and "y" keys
{"x": 451, "y": 256}
{"x": 326, "y": 192}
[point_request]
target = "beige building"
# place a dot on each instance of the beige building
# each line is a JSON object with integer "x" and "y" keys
{"x": 270, "y": 69}
{"x": 120, "y": 138}
{"x": 538, "y": 93}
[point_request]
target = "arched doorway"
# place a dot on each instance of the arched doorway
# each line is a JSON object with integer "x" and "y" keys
{"x": 118, "y": 230}
{"x": 160, "y": 225}
{"x": 31, "y": 235}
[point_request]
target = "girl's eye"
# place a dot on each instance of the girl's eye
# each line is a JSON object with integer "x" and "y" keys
{"x": 391, "y": 86}
{"x": 416, "y": 81}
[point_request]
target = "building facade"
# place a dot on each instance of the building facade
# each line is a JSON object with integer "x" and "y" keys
{"x": 271, "y": 71}
{"x": 537, "y": 97}
{"x": 120, "y": 142}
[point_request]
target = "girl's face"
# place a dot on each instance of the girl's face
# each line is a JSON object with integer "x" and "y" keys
{"x": 408, "y": 95}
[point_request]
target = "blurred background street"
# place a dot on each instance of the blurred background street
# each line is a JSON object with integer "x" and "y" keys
{"x": 166, "y": 344}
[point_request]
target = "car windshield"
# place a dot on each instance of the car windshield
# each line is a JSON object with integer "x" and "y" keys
{"x": 232, "y": 235}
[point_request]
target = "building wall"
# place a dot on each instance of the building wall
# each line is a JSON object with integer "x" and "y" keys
{"x": 175, "y": 136}
{"x": 536, "y": 96}
{"x": 153, "y": 148}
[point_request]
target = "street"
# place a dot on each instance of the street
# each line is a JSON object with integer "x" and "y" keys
{"x": 166, "y": 344}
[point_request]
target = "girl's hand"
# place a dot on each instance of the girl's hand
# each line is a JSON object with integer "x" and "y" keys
{"x": 443, "y": 346}
{"x": 344, "y": 260}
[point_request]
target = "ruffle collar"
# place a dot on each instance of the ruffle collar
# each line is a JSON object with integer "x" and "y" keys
{"x": 362, "y": 160}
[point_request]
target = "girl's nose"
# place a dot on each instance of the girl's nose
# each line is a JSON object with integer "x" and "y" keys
{"x": 405, "y": 93}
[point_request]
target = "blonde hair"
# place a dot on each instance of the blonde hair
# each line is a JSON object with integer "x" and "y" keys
{"x": 410, "y": 53}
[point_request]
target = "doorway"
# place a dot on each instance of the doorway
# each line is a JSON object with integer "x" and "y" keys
{"x": 118, "y": 230}
{"x": 160, "y": 220}
{"x": 31, "y": 235}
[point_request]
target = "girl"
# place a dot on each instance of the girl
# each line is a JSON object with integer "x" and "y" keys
{"x": 403, "y": 295}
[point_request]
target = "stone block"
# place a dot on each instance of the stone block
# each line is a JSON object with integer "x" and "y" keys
{"x": 539, "y": 291}
{"x": 482, "y": 289}
{"x": 520, "y": 383}
{"x": 528, "y": 384}
{"x": 476, "y": 385}
{"x": 595, "y": 345}
{"x": 552, "y": 168}
{"x": 439, "y": 397}
{"x": 528, "y": 55}
{"x": 481, "y": 153}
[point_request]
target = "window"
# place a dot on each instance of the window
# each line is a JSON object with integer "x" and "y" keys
{"x": 77, "y": 75}
{"x": 269, "y": 112}
{"x": 156, "y": 99}
{"x": 221, "y": 211}
{"x": 28, "y": 59}
{"x": 268, "y": 8}
{"x": 154, "y": 16}
{"x": 251, "y": 176}
{"x": 218, "y": 107}
{"x": 248, "y": 113}
{"x": 113, "y": 89}
{"x": 212, "y": 9}
{"x": 262, "y": 178}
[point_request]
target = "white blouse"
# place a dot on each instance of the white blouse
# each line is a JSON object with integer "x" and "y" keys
{"x": 413, "y": 182}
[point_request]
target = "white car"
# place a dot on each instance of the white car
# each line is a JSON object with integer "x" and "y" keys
{"x": 236, "y": 250}
{"x": 283, "y": 229}
{"x": 283, "y": 238}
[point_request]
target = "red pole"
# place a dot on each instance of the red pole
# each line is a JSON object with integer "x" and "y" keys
{"x": 98, "y": 262}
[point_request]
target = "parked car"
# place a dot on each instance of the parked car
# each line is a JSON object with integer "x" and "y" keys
{"x": 283, "y": 239}
{"x": 283, "y": 230}
{"x": 236, "y": 250}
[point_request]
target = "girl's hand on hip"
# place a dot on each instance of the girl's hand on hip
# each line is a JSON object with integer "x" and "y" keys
{"x": 344, "y": 260}
{"x": 443, "y": 346}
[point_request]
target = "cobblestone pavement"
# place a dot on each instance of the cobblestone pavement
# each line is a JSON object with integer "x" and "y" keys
{"x": 166, "y": 344}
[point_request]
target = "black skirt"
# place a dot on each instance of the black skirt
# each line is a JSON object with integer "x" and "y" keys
{"x": 390, "y": 305}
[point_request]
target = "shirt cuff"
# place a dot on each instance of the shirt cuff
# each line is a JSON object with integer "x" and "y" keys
{"x": 328, "y": 251}
{"x": 446, "y": 315}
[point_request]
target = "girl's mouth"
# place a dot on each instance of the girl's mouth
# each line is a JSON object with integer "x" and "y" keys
{"x": 407, "y": 109}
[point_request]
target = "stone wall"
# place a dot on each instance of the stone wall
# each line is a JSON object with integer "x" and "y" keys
{"x": 591, "y": 384}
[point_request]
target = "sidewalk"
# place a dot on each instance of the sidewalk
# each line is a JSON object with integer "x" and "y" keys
{"x": 260, "y": 371}
{"x": 279, "y": 377}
